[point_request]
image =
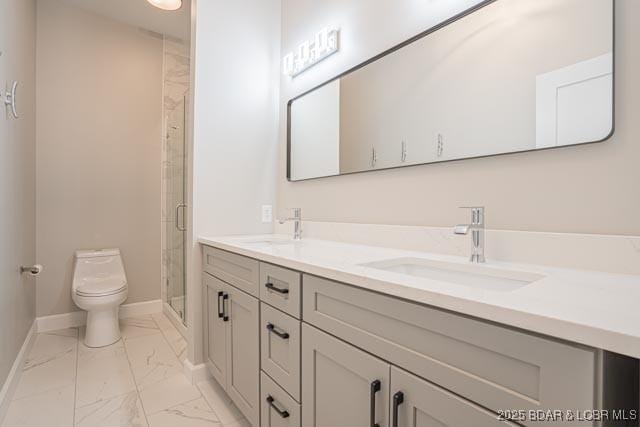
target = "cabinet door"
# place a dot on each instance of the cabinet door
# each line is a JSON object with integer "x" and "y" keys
{"x": 418, "y": 403}
{"x": 341, "y": 385}
{"x": 243, "y": 352}
{"x": 215, "y": 345}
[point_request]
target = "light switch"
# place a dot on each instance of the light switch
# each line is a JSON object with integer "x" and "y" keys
{"x": 267, "y": 213}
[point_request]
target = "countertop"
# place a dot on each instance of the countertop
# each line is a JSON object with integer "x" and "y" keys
{"x": 600, "y": 310}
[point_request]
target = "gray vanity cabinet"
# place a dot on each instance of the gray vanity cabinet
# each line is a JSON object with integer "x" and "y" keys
{"x": 341, "y": 384}
{"x": 231, "y": 343}
{"x": 335, "y": 355}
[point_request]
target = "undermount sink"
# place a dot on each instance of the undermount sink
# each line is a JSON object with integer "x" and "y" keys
{"x": 472, "y": 275}
{"x": 270, "y": 241}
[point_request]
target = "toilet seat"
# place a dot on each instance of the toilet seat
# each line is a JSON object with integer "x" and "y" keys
{"x": 101, "y": 288}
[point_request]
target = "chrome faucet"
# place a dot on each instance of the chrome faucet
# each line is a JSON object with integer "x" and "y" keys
{"x": 297, "y": 222}
{"x": 477, "y": 233}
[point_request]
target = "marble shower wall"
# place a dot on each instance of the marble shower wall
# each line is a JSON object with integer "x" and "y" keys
{"x": 176, "y": 91}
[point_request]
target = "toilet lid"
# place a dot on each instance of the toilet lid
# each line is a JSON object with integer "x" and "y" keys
{"x": 100, "y": 288}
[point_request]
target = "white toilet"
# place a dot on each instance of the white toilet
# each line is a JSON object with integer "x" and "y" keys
{"x": 99, "y": 287}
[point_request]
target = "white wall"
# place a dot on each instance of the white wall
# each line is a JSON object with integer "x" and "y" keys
{"x": 99, "y": 100}
{"x": 235, "y": 49}
{"x": 17, "y": 179}
{"x": 589, "y": 189}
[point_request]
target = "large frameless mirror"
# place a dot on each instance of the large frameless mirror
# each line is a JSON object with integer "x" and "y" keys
{"x": 502, "y": 76}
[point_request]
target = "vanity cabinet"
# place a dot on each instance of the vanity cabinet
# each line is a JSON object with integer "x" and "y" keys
{"x": 232, "y": 350}
{"x": 296, "y": 350}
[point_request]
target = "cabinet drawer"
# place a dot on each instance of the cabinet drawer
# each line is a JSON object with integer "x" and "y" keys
{"x": 278, "y": 408}
{"x": 280, "y": 345}
{"x": 280, "y": 288}
{"x": 237, "y": 270}
{"x": 497, "y": 367}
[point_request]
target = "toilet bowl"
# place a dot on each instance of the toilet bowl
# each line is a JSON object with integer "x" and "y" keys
{"x": 99, "y": 287}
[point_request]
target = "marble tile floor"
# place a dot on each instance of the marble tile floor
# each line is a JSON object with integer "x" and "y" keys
{"x": 138, "y": 381}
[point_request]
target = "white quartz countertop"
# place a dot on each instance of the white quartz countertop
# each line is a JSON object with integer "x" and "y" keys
{"x": 597, "y": 309}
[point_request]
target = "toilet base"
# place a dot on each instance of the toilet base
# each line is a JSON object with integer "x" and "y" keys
{"x": 103, "y": 328}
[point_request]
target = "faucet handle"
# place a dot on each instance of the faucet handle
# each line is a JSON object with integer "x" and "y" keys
{"x": 477, "y": 214}
{"x": 296, "y": 214}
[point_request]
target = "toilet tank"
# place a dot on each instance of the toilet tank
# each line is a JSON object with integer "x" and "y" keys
{"x": 96, "y": 265}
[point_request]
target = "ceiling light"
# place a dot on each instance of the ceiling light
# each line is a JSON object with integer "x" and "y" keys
{"x": 166, "y": 4}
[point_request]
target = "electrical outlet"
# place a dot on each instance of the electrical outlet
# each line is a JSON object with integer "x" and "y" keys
{"x": 267, "y": 214}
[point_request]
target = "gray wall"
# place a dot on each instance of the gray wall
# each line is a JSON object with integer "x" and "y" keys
{"x": 99, "y": 98}
{"x": 17, "y": 179}
{"x": 589, "y": 189}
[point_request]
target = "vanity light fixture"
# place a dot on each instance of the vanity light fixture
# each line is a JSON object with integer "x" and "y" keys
{"x": 325, "y": 43}
{"x": 166, "y": 4}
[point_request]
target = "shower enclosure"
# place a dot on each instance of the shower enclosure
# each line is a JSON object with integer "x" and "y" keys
{"x": 174, "y": 185}
{"x": 175, "y": 206}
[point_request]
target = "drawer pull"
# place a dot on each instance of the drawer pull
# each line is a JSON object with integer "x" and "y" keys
{"x": 375, "y": 388}
{"x": 283, "y": 413}
{"x": 272, "y": 287}
{"x": 220, "y": 308}
{"x": 272, "y": 328}
{"x": 398, "y": 399}
{"x": 225, "y": 305}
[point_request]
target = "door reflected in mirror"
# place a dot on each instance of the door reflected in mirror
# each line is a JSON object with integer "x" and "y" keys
{"x": 508, "y": 76}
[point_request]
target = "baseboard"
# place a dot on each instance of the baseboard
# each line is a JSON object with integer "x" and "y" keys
{"x": 196, "y": 373}
{"x": 141, "y": 308}
{"x": 174, "y": 319}
{"x": 10, "y": 384}
{"x": 61, "y": 321}
{"x": 79, "y": 318}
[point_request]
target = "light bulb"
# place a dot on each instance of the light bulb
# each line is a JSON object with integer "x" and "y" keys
{"x": 166, "y": 4}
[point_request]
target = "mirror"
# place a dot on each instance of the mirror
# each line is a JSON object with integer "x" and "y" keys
{"x": 504, "y": 76}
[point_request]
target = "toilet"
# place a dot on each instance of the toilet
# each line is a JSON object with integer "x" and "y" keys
{"x": 99, "y": 287}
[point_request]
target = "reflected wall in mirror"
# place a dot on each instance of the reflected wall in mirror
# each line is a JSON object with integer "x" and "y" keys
{"x": 505, "y": 76}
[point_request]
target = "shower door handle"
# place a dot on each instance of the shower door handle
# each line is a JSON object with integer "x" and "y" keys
{"x": 178, "y": 207}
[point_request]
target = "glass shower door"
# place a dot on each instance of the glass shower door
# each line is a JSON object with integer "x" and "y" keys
{"x": 175, "y": 205}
